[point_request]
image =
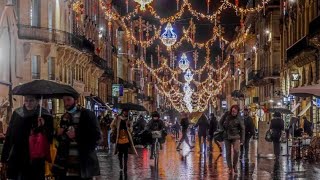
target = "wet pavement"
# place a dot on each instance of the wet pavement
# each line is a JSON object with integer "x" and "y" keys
{"x": 188, "y": 164}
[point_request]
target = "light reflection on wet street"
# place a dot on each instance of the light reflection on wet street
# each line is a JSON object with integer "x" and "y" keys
{"x": 188, "y": 164}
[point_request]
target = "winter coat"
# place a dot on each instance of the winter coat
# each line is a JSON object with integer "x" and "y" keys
{"x": 213, "y": 126}
{"x": 15, "y": 152}
{"x": 115, "y": 126}
{"x": 249, "y": 127}
{"x": 88, "y": 136}
{"x": 233, "y": 127}
{"x": 184, "y": 124}
{"x": 140, "y": 125}
{"x": 203, "y": 125}
{"x": 277, "y": 126}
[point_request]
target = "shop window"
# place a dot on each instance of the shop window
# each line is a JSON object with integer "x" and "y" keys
{"x": 35, "y": 67}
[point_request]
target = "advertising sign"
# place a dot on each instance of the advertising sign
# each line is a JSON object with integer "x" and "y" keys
{"x": 117, "y": 90}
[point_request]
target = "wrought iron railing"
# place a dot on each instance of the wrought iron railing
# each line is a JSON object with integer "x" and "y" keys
{"x": 55, "y": 36}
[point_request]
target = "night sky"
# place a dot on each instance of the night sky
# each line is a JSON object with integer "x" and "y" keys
{"x": 229, "y": 21}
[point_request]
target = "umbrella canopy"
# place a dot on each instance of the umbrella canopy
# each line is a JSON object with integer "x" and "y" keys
{"x": 44, "y": 89}
{"x": 280, "y": 110}
{"x": 130, "y": 106}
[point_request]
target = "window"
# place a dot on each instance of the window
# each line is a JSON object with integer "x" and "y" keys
{"x": 51, "y": 68}
{"x": 35, "y": 67}
{"x": 35, "y": 13}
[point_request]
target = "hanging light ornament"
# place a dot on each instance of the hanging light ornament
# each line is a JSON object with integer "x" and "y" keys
{"x": 184, "y": 62}
{"x": 188, "y": 76}
{"x": 143, "y": 3}
{"x": 187, "y": 88}
{"x": 169, "y": 38}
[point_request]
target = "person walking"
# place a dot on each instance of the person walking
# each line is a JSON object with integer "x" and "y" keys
{"x": 276, "y": 127}
{"x": 108, "y": 120}
{"x": 156, "y": 124}
{"x": 177, "y": 130}
{"x": 140, "y": 125}
{"x": 79, "y": 133}
{"x": 185, "y": 125}
{"x": 17, "y": 153}
{"x": 234, "y": 133}
{"x": 122, "y": 128}
{"x": 307, "y": 126}
{"x": 203, "y": 125}
{"x": 249, "y": 132}
{"x": 213, "y": 126}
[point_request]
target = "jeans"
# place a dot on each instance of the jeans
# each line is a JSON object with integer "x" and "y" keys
{"x": 123, "y": 155}
{"x": 235, "y": 146}
{"x": 244, "y": 149}
{"x": 177, "y": 134}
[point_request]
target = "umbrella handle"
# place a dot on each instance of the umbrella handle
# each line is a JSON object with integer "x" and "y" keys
{"x": 40, "y": 106}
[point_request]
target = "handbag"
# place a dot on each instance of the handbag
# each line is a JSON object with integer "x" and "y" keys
{"x": 218, "y": 135}
{"x": 113, "y": 136}
{"x": 269, "y": 135}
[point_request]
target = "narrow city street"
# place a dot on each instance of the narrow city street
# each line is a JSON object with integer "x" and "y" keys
{"x": 195, "y": 165}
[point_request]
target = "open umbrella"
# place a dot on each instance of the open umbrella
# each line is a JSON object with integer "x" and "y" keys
{"x": 44, "y": 89}
{"x": 131, "y": 106}
{"x": 280, "y": 110}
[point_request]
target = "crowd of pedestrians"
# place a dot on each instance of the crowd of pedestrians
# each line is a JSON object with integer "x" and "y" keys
{"x": 31, "y": 136}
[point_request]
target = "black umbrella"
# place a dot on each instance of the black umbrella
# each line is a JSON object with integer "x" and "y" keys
{"x": 280, "y": 110}
{"x": 130, "y": 106}
{"x": 44, "y": 89}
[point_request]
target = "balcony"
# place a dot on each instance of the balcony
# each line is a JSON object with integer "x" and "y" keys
{"x": 254, "y": 75}
{"x": 126, "y": 84}
{"x": 270, "y": 72}
{"x": 314, "y": 26}
{"x": 297, "y": 48}
{"x": 55, "y": 36}
{"x": 243, "y": 85}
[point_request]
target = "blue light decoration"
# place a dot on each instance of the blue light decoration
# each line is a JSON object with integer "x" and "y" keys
{"x": 184, "y": 62}
{"x": 188, "y": 76}
{"x": 169, "y": 38}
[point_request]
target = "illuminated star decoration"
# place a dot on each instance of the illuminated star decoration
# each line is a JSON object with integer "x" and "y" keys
{"x": 143, "y": 3}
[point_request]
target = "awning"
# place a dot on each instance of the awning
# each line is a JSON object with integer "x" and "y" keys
{"x": 96, "y": 100}
{"x": 305, "y": 109}
{"x": 306, "y": 91}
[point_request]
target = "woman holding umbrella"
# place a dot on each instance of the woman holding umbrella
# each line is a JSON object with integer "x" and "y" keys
{"x": 19, "y": 158}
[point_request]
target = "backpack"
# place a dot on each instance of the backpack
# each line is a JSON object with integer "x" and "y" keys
{"x": 39, "y": 147}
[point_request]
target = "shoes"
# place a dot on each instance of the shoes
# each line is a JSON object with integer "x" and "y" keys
{"x": 178, "y": 149}
{"x": 121, "y": 170}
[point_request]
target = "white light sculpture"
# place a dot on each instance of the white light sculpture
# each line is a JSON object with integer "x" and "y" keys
{"x": 184, "y": 62}
{"x": 143, "y": 3}
{"x": 188, "y": 76}
{"x": 168, "y": 38}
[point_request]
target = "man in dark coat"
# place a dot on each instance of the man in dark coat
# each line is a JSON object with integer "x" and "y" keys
{"x": 15, "y": 155}
{"x": 185, "y": 125}
{"x": 213, "y": 126}
{"x": 203, "y": 125}
{"x": 307, "y": 126}
{"x": 276, "y": 126}
{"x": 139, "y": 125}
{"x": 83, "y": 133}
{"x": 249, "y": 132}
